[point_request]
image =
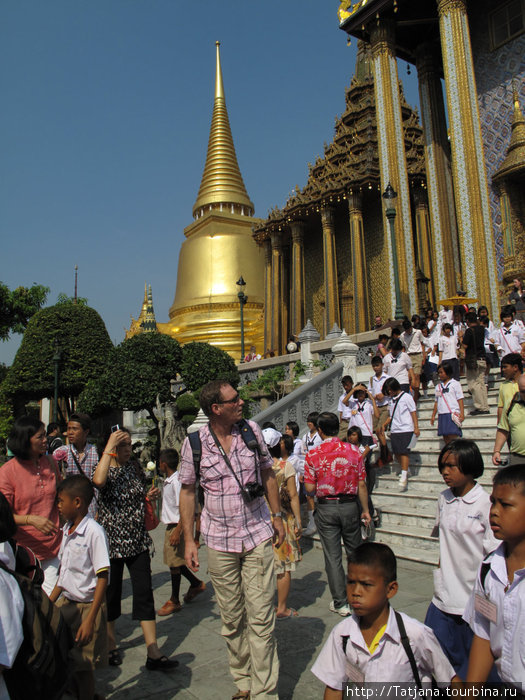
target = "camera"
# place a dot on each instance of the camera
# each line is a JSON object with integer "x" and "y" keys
{"x": 252, "y": 491}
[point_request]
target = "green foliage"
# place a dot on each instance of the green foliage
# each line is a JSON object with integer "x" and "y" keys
{"x": 137, "y": 371}
{"x": 64, "y": 299}
{"x": 84, "y": 345}
{"x": 201, "y": 363}
{"x": 18, "y": 306}
{"x": 270, "y": 383}
{"x": 6, "y": 420}
{"x": 187, "y": 404}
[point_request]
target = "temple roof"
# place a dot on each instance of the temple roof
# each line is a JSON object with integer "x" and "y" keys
{"x": 146, "y": 322}
{"x": 350, "y": 163}
{"x": 222, "y": 181}
{"x": 514, "y": 162}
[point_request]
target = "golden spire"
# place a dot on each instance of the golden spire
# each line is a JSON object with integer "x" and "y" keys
{"x": 514, "y": 162}
{"x": 222, "y": 183}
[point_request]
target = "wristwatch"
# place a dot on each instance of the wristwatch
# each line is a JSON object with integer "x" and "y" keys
{"x": 277, "y": 515}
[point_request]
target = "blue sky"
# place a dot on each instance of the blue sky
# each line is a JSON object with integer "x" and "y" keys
{"x": 106, "y": 109}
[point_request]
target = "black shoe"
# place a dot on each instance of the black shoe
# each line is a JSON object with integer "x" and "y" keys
{"x": 484, "y": 413}
{"x": 115, "y": 658}
{"x": 161, "y": 664}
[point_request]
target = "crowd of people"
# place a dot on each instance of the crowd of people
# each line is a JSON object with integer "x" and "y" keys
{"x": 85, "y": 513}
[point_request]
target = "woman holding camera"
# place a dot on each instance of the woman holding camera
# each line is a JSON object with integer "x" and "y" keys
{"x": 121, "y": 511}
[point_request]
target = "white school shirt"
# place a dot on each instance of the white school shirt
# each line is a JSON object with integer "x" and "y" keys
{"x": 83, "y": 554}
{"x": 170, "y": 500}
{"x": 509, "y": 339}
{"x": 507, "y": 634}
{"x": 11, "y": 632}
{"x": 432, "y": 355}
{"x": 342, "y": 408}
{"x": 375, "y": 387}
{"x": 412, "y": 341}
{"x": 398, "y": 366}
{"x": 402, "y": 421}
{"x": 446, "y": 316}
{"x": 311, "y": 441}
{"x": 457, "y": 328}
{"x": 362, "y": 415}
{"x": 452, "y": 392}
{"x": 448, "y": 346}
{"x": 389, "y": 663}
{"x": 465, "y": 539}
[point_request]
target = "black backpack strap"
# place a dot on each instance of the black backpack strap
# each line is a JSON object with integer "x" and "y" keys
{"x": 483, "y": 571}
{"x": 196, "y": 449}
{"x": 344, "y": 642}
{"x": 405, "y": 641}
{"x": 248, "y": 436}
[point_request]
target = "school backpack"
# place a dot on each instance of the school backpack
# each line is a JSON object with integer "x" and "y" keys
{"x": 41, "y": 669}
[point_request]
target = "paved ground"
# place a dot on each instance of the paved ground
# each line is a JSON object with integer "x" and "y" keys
{"x": 193, "y": 635}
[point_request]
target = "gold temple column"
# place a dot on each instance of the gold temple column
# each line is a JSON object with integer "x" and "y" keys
{"x": 277, "y": 302}
{"x": 424, "y": 250}
{"x": 478, "y": 262}
{"x": 267, "y": 295}
{"x": 359, "y": 276}
{"x": 445, "y": 276}
{"x": 297, "y": 288}
{"x": 331, "y": 308}
{"x": 392, "y": 159}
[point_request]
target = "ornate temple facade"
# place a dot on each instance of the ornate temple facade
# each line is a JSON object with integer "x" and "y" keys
{"x": 475, "y": 173}
{"x": 327, "y": 251}
{"x": 218, "y": 251}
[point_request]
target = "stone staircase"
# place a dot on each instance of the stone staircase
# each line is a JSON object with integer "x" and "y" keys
{"x": 408, "y": 518}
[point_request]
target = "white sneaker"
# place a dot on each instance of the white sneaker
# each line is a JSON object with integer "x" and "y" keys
{"x": 344, "y": 610}
{"x": 310, "y": 529}
{"x": 403, "y": 485}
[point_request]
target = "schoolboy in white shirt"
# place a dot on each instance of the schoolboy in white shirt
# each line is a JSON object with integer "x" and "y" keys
{"x": 496, "y": 608}
{"x": 366, "y": 647}
{"x": 398, "y": 364}
{"x": 310, "y": 440}
{"x": 375, "y": 386}
{"x": 343, "y": 408}
{"x": 82, "y": 582}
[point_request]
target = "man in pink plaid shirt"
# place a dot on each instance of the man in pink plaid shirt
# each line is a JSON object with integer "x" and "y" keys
{"x": 238, "y": 533}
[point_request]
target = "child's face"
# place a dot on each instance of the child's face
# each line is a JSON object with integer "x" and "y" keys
{"x": 452, "y": 474}
{"x": 284, "y": 451}
{"x": 311, "y": 426}
{"x": 347, "y": 386}
{"x": 288, "y": 431}
{"x": 163, "y": 467}
{"x": 507, "y": 320}
{"x": 360, "y": 395}
{"x": 67, "y": 506}
{"x": 353, "y": 439}
{"x": 378, "y": 369}
{"x": 447, "y": 332}
{"x": 367, "y": 590}
{"x": 442, "y": 374}
{"x": 507, "y": 513}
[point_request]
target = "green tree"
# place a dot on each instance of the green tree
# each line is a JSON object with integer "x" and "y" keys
{"x": 18, "y": 306}
{"x": 137, "y": 372}
{"x": 202, "y": 362}
{"x": 81, "y": 337}
{"x": 64, "y": 299}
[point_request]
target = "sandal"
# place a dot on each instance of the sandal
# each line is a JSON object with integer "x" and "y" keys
{"x": 241, "y": 695}
{"x": 293, "y": 613}
{"x": 115, "y": 658}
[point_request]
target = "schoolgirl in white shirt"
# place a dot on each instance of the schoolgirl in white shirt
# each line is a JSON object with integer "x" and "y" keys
{"x": 465, "y": 539}
{"x": 448, "y": 403}
{"x": 448, "y": 349}
{"x": 403, "y": 426}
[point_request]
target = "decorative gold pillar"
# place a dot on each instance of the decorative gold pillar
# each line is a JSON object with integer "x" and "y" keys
{"x": 392, "y": 158}
{"x": 331, "y": 309}
{"x": 445, "y": 276}
{"x": 359, "y": 276}
{"x": 478, "y": 262}
{"x": 267, "y": 295}
{"x": 424, "y": 250}
{"x": 277, "y": 292}
{"x": 297, "y": 300}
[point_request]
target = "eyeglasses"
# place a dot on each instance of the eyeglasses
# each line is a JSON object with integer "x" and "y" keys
{"x": 235, "y": 399}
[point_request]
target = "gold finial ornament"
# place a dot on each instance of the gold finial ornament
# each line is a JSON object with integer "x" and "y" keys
{"x": 222, "y": 184}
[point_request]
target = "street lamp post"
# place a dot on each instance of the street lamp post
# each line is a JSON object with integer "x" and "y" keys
{"x": 56, "y": 361}
{"x": 389, "y": 198}
{"x": 241, "y": 284}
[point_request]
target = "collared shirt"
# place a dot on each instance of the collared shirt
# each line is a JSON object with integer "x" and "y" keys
{"x": 375, "y": 386}
{"x": 398, "y": 366}
{"x": 334, "y": 468}
{"x": 11, "y": 632}
{"x": 388, "y": 663}
{"x": 83, "y": 555}
{"x": 342, "y": 408}
{"x": 464, "y": 536}
{"x": 509, "y": 339}
{"x": 448, "y": 345}
{"x": 311, "y": 441}
{"x": 507, "y": 389}
{"x": 413, "y": 342}
{"x": 448, "y": 394}
{"x": 170, "y": 499}
{"x": 513, "y": 422}
{"x": 362, "y": 415}
{"x": 507, "y": 634}
{"x": 402, "y": 421}
{"x": 88, "y": 464}
{"x": 32, "y": 490}
{"x": 228, "y": 524}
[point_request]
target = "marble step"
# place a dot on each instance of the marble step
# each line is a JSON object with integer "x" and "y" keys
{"x": 414, "y": 538}
{"x": 399, "y": 517}
{"x": 429, "y": 470}
{"x": 427, "y": 486}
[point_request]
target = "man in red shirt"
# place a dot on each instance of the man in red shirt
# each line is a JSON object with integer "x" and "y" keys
{"x": 335, "y": 473}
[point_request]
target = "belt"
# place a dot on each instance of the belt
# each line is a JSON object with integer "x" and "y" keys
{"x": 341, "y": 498}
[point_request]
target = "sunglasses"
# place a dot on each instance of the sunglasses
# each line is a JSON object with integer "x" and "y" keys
{"x": 235, "y": 399}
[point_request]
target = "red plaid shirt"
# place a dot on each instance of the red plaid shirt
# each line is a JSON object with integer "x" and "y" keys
{"x": 228, "y": 523}
{"x": 335, "y": 468}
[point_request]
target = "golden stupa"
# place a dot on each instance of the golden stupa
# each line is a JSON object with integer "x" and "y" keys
{"x": 218, "y": 250}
